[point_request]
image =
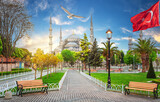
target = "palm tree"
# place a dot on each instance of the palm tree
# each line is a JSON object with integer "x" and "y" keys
{"x": 113, "y": 50}
{"x": 144, "y": 47}
{"x": 149, "y": 50}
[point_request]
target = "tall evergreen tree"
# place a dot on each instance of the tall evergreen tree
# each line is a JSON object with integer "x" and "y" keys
{"x": 85, "y": 49}
{"x": 122, "y": 56}
{"x": 113, "y": 60}
{"x": 151, "y": 73}
{"x": 95, "y": 55}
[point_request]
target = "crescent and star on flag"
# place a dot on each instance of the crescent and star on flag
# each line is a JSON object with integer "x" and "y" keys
{"x": 149, "y": 12}
{"x": 146, "y": 19}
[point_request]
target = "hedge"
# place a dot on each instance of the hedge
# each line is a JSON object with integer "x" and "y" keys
{"x": 15, "y": 70}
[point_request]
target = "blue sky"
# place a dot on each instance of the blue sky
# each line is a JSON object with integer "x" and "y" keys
{"x": 107, "y": 14}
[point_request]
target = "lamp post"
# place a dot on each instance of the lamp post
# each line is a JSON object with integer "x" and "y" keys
{"x": 109, "y": 36}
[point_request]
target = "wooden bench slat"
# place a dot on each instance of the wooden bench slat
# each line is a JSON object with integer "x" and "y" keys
{"x": 139, "y": 89}
{"x": 33, "y": 87}
{"x": 142, "y": 85}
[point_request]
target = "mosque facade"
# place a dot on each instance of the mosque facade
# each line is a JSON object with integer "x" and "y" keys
{"x": 72, "y": 42}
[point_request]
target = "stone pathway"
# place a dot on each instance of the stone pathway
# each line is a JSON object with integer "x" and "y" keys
{"x": 77, "y": 88}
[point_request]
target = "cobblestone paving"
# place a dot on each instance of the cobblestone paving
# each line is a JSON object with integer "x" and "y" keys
{"x": 77, "y": 88}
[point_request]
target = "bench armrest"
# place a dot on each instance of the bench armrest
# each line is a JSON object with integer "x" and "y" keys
{"x": 125, "y": 85}
{"x": 46, "y": 84}
{"x": 155, "y": 89}
{"x": 21, "y": 86}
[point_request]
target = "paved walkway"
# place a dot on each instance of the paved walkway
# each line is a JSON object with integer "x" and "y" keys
{"x": 77, "y": 88}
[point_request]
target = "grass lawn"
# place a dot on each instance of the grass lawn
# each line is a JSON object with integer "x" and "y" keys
{"x": 123, "y": 78}
{"x": 53, "y": 77}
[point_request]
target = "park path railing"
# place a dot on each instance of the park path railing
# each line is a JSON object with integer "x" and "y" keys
{"x": 62, "y": 80}
{"x": 118, "y": 88}
{"x": 12, "y": 86}
{"x": 10, "y": 76}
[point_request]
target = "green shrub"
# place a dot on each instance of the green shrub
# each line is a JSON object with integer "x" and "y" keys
{"x": 15, "y": 70}
{"x": 156, "y": 81}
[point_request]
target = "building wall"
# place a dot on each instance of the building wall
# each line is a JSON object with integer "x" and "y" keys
{"x": 10, "y": 66}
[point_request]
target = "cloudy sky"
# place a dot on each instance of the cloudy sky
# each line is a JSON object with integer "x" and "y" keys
{"x": 107, "y": 14}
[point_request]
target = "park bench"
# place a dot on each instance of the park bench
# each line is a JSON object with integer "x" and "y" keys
{"x": 29, "y": 84}
{"x": 150, "y": 87}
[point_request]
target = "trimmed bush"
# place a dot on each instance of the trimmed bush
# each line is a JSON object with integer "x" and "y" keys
{"x": 156, "y": 81}
{"x": 15, "y": 70}
{"x": 151, "y": 73}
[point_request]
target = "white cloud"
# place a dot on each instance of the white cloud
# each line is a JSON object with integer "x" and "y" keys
{"x": 58, "y": 20}
{"x": 78, "y": 30}
{"x": 84, "y": 19}
{"x": 100, "y": 40}
{"x": 116, "y": 44}
{"x": 117, "y": 39}
{"x": 43, "y": 5}
{"x": 157, "y": 37}
{"x": 125, "y": 30}
{"x": 127, "y": 38}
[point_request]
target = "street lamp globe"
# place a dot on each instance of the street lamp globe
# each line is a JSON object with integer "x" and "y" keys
{"x": 109, "y": 34}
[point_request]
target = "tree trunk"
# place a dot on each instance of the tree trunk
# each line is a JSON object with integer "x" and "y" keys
{"x": 61, "y": 65}
{"x": 41, "y": 73}
{"x": 143, "y": 58}
{"x": 35, "y": 73}
{"x": 85, "y": 67}
{"x": 47, "y": 71}
{"x": 147, "y": 62}
{"x": 50, "y": 72}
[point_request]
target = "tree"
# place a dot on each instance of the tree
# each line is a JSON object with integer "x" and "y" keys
{"x": 149, "y": 50}
{"x": 113, "y": 50}
{"x": 144, "y": 48}
{"x": 14, "y": 23}
{"x": 68, "y": 56}
{"x": 40, "y": 59}
{"x": 122, "y": 56}
{"x": 128, "y": 58}
{"x": 153, "y": 55}
{"x": 151, "y": 73}
{"x": 54, "y": 61}
{"x": 113, "y": 60}
{"x": 131, "y": 58}
{"x": 85, "y": 49}
{"x": 95, "y": 55}
{"x": 73, "y": 58}
{"x": 34, "y": 65}
{"x": 47, "y": 62}
{"x": 28, "y": 60}
{"x": 60, "y": 57}
{"x": 18, "y": 52}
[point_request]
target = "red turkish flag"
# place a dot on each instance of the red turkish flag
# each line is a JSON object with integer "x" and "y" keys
{"x": 146, "y": 19}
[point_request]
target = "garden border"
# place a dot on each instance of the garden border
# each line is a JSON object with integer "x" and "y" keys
{"x": 114, "y": 87}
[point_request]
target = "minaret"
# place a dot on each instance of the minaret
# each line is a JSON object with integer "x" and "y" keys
{"x": 141, "y": 35}
{"x": 91, "y": 32}
{"x": 50, "y": 36}
{"x": 60, "y": 37}
{"x": 130, "y": 43}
